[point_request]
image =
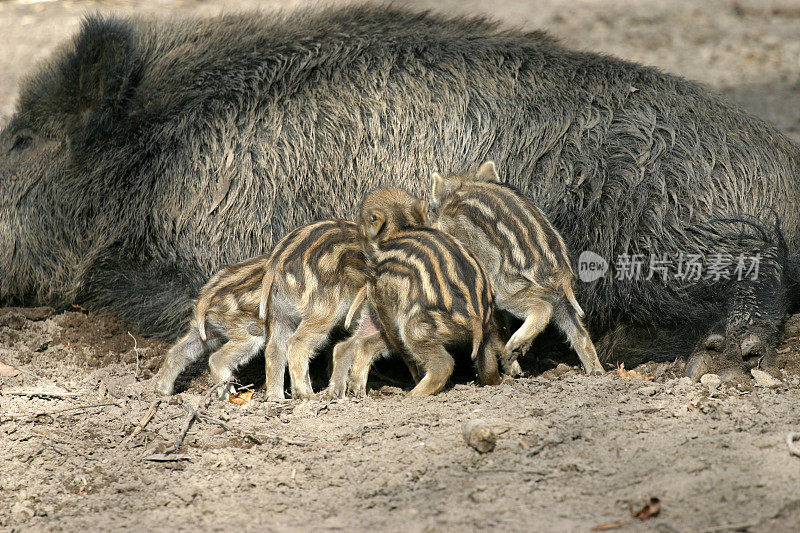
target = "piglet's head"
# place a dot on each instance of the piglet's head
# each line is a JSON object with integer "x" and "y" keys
{"x": 443, "y": 187}
{"x": 386, "y": 212}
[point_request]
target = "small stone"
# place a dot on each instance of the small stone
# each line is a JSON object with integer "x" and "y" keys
{"x": 647, "y": 391}
{"x": 479, "y": 435}
{"x": 763, "y": 379}
{"x": 712, "y": 381}
{"x": 685, "y": 384}
{"x": 22, "y": 511}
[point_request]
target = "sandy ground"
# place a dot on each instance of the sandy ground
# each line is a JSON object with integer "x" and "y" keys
{"x": 572, "y": 452}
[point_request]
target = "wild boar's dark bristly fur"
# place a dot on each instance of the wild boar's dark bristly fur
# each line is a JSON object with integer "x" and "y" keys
{"x": 145, "y": 154}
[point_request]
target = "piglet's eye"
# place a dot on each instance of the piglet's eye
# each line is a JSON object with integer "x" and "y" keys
{"x": 373, "y": 218}
{"x": 21, "y": 142}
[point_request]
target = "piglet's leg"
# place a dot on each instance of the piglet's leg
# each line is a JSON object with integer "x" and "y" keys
{"x": 187, "y": 350}
{"x": 344, "y": 355}
{"x": 366, "y": 349}
{"x": 486, "y": 364}
{"x": 236, "y": 352}
{"x": 438, "y": 365}
{"x": 570, "y": 323}
{"x": 537, "y": 316}
{"x": 275, "y": 358}
{"x": 308, "y": 336}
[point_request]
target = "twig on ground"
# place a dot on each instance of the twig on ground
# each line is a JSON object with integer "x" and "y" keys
{"x": 254, "y": 439}
{"x": 136, "y": 350}
{"x": 165, "y": 457}
{"x": 198, "y": 413}
{"x": 41, "y": 393}
{"x": 146, "y": 420}
{"x": 57, "y": 411}
{"x": 193, "y": 415}
{"x": 31, "y": 374}
{"x": 794, "y": 449}
{"x": 28, "y": 372}
{"x": 729, "y": 527}
{"x": 553, "y": 442}
{"x": 187, "y": 424}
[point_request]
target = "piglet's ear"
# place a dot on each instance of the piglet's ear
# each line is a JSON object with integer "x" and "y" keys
{"x": 375, "y": 220}
{"x": 488, "y": 172}
{"x": 100, "y": 74}
{"x": 437, "y": 188}
{"x": 420, "y": 212}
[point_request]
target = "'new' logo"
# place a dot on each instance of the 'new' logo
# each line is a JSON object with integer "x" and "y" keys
{"x": 591, "y": 266}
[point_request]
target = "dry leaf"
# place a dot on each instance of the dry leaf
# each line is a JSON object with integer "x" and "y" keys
{"x": 651, "y": 509}
{"x": 240, "y": 398}
{"x": 632, "y": 374}
{"x": 8, "y": 371}
{"x": 610, "y": 525}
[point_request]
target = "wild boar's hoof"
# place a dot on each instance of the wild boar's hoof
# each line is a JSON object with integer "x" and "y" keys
{"x": 699, "y": 364}
{"x": 734, "y": 375}
{"x": 163, "y": 382}
{"x": 335, "y": 391}
{"x": 732, "y": 356}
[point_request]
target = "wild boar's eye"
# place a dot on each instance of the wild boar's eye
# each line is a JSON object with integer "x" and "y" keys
{"x": 21, "y": 142}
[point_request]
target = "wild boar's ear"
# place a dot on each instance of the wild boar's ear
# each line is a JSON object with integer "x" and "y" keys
{"x": 101, "y": 73}
{"x": 375, "y": 222}
{"x": 488, "y": 172}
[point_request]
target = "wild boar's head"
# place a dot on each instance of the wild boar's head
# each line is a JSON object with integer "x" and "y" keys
{"x": 51, "y": 164}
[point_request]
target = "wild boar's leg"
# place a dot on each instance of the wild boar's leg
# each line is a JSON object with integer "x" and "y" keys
{"x": 537, "y": 315}
{"x": 756, "y": 310}
{"x": 344, "y": 355}
{"x": 438, "y": 364}
{"x": 366, "y": 350}
{"x": 491, "y": 352}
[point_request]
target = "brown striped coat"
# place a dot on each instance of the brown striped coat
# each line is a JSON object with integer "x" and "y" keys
{"x": 524, "y": 255}
{"x": 314, "y": 275}
{"x": 287, "y": 301}
{"x": 429, "y": 292}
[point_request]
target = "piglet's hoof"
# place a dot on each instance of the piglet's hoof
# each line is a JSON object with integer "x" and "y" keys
{"x": 223, "y": 392}
{"x": 163, "y": 386}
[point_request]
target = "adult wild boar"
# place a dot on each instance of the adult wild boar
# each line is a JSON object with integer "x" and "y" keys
{"x": 146, "y": 154}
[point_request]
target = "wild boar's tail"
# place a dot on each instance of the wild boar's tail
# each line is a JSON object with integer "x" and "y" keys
{"x": 358, "y": 301}
{"x": 570, "y": 294}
